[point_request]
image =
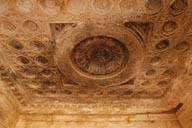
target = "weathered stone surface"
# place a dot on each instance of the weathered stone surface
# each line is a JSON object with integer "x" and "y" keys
{"x": 184, "y": 114}
{"x": 96, "y": 57}
{"x": 97, "y": 121}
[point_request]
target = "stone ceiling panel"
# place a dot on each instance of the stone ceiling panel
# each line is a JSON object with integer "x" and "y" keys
{"x": 81, "y": 56}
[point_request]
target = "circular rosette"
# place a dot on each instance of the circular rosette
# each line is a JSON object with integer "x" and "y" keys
{"x": 100, "y": 55}
{"x": 107, "y": 56}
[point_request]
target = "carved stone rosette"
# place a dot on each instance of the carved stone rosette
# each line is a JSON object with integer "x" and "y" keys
{"x": 99, "y": 57}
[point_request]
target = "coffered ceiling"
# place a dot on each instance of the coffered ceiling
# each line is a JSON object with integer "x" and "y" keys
{"x": 96, "y": 56}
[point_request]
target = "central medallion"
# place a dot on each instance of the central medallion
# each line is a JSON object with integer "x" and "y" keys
{"x": 100, "y": 55}
{"x": 108, "y": 56}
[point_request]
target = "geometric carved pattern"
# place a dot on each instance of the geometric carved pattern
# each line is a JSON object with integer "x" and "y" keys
{"x": 100, "y": 55}
{"x": 59, "y": 52}
{"x": 99, "y": 58}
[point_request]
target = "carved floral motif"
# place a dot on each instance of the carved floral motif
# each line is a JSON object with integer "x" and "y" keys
{"x": 100, "y": 55}
{"x": 28, "y": 49}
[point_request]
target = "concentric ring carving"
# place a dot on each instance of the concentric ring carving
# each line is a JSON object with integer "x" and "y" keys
{"x": 100, "y": 55}
{"x": 16, "y": 45}
{"x": 154, "y": 6}
{"x": 37, "y": 45}
{"x": 24, "y": 5}
{"x": 51, "y": 7}
{"x": 76, "y": 6}
{"x": 169, "y": 27}
{"x": 102, "y": 6}
{"x": 30, "y": 26}
{"x": 7, "y": 27}
{"x": 177, "y": 7}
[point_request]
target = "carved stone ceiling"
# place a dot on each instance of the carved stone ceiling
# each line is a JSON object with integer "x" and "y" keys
{"x": 96, "y": 56}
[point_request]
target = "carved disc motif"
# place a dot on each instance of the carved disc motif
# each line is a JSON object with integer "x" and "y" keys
{"x": 154, "y": 6}
{"x": 100, "y": 55}
{"x": 177, "y": 7}
{"x": 76, "y": 6}
{"x": 102, "y": 5}
{"x": 126, "y": 4}
{"x": 51, "y": 7}
{"x": 24, "y": 5}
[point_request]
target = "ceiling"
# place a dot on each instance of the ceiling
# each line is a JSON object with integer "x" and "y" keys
{"x": 96, "y": 56}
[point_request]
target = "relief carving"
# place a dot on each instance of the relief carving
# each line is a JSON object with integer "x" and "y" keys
{"x": 24, "y": 5}
{"x": 177, "y": 7}
{"x": 102, "y": 6}
{"x": 71, "y": 55}
{"x": 100, "y": 55}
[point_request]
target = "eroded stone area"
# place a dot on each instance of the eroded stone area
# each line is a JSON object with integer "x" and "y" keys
{"x": 78, "y": 56}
